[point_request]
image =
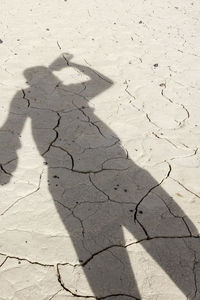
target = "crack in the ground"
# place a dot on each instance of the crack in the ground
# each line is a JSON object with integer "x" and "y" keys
{"x": 148, "y": 239}
{"x": 89, "y": 297}
{"x": 146, "y": 195}
{"x": 8, "y": 162}
{"x": 66, "y": 207}
{"x": 94, "y": 255}
{"x": 104, "y": 193}
{"x": 104, "y": 147}
{"x": 58, "y": 45}
{"x": 70, "y": 155}
{"x": 195, "y": 275}
{"x": 24, "y": 259}
{"x": 88, "y": 119}
{"x": 17, "y": 114}
{"x": 175, "y": 216}
{"x": 24, "y": 97}
{"x": 127, "y": 91}
{"x": 48, "y": 109}
{"x": 55, "y": 294}
{"x": 56, "y": 132}
{"x": 149, "y": 119}
{"x": 195, "y": 262}
{"x": 80, "y": 221}
{"x": 163, "y": 138}
{"x": 89, "y": 171}
{"x": 118, "y": 295}
{"x": 187, "y": 189}
{"x": 4, "y": 171}
{"x": 120, "y": 246}
{"x": 145, "y": 114}
{"x": 102, "y": 77}
{"x": 93, "y": 71}
{"x": 187, "y": 226}
{"x": 181, "y": 123}
{"x": 71, "y": 210}
{"x": 21, "y": 198}
{"x": 3, "y": 260}
{"x": 74, "y": 93}
{"x": 65, "y": 288}
{"x": 174, "y": 145}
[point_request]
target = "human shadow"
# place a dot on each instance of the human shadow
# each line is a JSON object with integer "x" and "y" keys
{"x": 96, "y": 188}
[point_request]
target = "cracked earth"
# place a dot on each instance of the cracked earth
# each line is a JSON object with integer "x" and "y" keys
{"x": 99, "y": 150}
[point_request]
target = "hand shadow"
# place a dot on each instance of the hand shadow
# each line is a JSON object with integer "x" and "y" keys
{"x": 96, "y": 188}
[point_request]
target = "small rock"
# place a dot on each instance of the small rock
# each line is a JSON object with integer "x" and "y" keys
{"x": 155, "y": 65}
{"x": 163, "y": 85}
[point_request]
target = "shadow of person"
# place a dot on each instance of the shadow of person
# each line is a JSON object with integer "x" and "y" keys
{"x": 98, "y": 191}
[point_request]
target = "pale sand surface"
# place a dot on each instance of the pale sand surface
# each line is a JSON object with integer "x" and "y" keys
{"x": 99, "y": 150}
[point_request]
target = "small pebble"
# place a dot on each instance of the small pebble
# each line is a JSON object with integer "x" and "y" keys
{"x": 155, "y": 65}
{"x": 163, "y": 85}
